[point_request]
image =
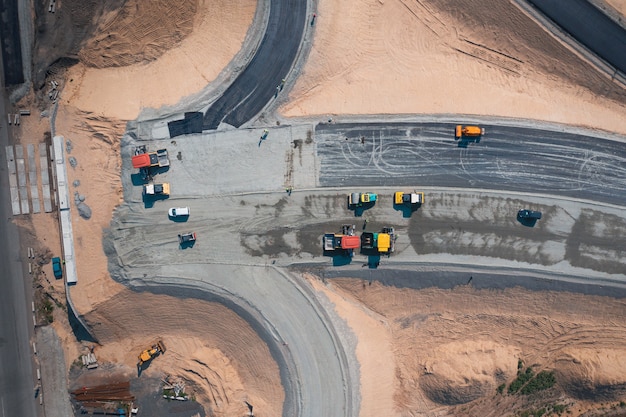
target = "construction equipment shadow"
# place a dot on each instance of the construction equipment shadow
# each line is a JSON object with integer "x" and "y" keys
{"x": 179, "y": 219}
{"x": 464, "y": 142}
{"x": 138, "y": 179}
{"x": 527, "y": 222}
{"x": 373, "y": 261}
{"x": 187, "y": 245}
{"x": 143, "y": 367}
{"x": 339, "y": 259}
{"x": 358, "y": 211}
{"x": 149, "y": 200}
{"x": 407, "y": 211}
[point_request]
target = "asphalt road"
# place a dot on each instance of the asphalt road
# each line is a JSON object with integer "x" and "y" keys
{"x": 589, "y": 26}
{"x": 256, "y": 85}
{"x": 509, "y": 158}
{"x": 10, "y": 43}
{"x": 16, "y": 372}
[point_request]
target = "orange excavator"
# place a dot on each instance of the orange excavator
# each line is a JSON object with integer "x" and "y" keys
{"x": 151, "y": 353}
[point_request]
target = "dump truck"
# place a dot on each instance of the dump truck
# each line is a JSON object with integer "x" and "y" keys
{"x": 358, "y": 199}
{"x": 408, "y": 199}
{"x": 151, "y": 353}
{"x": 382, "y": 242}
{"x": 145, "y": 159}
{"x": 153, "y": 189}
{"x": 461, "y": 131}
{"x": 345, "y": 241}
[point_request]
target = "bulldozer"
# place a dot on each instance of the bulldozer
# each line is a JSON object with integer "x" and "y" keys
{"x": 151, "y": 353}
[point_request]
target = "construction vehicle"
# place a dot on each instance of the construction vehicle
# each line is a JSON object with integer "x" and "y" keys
{"x": 461, "y": 131}
{"x": 345, "y": 241}
{"x": 145, "y": 159}
{"x": 358, "y": 199}
{"x": 153, "y": 189}
{"x": 151, "y": 353}
{"x": 383, "y": 242}
{"x": 528, "y": 214}
{"x": 408, "y": 199}
{"x": 186, "y": 238}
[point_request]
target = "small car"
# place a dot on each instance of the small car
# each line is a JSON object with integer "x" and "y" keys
{"x": 56, "y": 268}
{"x": 529, "y": 214}
{"x": 178, "y": 212}
{"x": 187, "y": 238}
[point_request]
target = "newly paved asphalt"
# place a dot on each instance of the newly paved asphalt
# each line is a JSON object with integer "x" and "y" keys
{"x": 589, "y": 26}
{"x": 16, "y": 373}
{"x": 506, "y": 158}
{"x": 256, "y": 85}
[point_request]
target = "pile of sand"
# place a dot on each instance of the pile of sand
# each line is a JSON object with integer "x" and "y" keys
{"x": 455, "y": 347}
{"x": 139, "y": 32}
{"x": 436, "y": 56}
{"x": 462, "y": 371}
{"x": 593, "y": 373}
{"x": 219, "y": 28}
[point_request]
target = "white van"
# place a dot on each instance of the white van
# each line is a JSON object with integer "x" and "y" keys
{"x": 179, "y": 212}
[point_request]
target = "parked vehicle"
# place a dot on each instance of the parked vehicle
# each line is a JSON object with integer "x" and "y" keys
{"x": 57, "y": 269}
{"x": 529, "y": 214}
{"x": 187, "y": 238}
{"x": 178, "y": 212}
{"x": 153, "y": 189}
{"x": 408, "y": 199}
{"x": 346, "y": 241}
{"x": 358, "y": 199}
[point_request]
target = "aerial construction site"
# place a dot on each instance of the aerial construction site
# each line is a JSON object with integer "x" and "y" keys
{"x": 345, "y": 208}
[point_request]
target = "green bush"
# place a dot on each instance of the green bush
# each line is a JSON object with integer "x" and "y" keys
{"x": 522, "y": 378}
{"x": 542, "y": 381}
{"x": 501, "y": 388}
{"x": 527, "y": 383}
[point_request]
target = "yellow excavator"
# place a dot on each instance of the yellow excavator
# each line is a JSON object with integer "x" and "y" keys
{"x": 151, "y": 353}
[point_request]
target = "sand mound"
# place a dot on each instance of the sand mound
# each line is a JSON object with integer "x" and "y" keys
{"x": 139, "y": 32}
{"x": 593, "y": 374}
{"x": 460, "y": 372}
{"x": 439, "y": 56}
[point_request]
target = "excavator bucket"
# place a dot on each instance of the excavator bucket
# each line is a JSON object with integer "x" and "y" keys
{"x": 161, "y": 346}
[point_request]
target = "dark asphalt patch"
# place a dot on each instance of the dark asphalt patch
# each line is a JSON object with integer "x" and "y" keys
{"x": 10, "y": 43}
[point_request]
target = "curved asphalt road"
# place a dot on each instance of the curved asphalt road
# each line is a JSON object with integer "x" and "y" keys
{"x": 256, "y": 85}
{"x": 589, "y": 26}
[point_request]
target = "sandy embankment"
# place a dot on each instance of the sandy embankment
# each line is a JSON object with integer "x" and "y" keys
{"x": 486, "y": 58}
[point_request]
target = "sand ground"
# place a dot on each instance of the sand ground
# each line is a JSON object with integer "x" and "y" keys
{"x": 368, "y": 56}
{"x": 373, "y": 57}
